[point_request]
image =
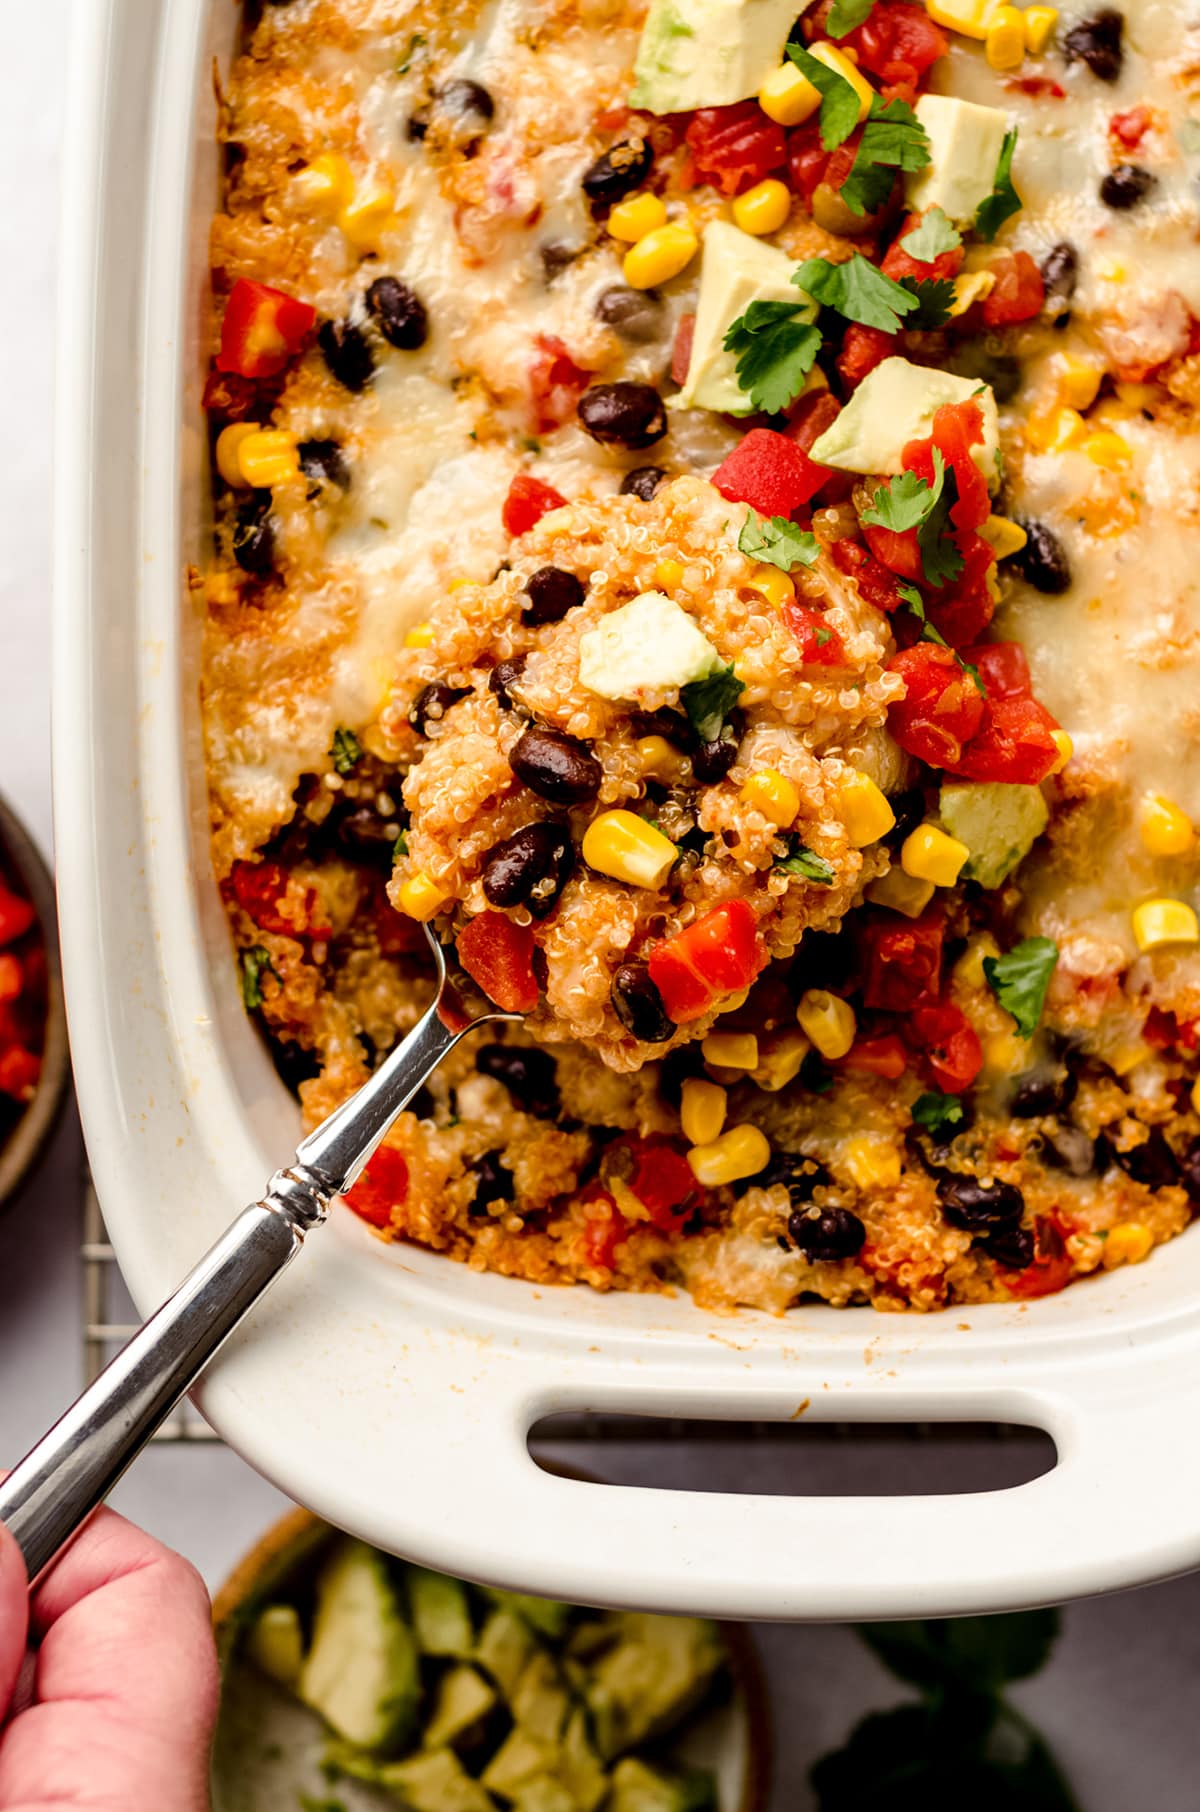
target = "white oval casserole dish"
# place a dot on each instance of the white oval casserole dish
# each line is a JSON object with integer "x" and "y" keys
{"x": 389, "y": 1390}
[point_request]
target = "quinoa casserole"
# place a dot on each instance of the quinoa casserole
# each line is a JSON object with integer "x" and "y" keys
{"x": 706, "y": 501}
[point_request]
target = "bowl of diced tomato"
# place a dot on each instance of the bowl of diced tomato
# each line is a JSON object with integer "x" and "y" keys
{"x": 34, "y": 1063}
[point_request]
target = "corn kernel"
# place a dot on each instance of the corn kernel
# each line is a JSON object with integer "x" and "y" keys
{"x": 1111, "y": 270}
{"x": 1078, "y": 379}
{"x": 636, "y": 216}
{"x": 1065, "y": 747}
{"x": 1004, "y": 1054}
{"x": 1137, "y": 397}
{"x": 730, "y": 1050}
{"x": 764, "y": 208}
{"x": 419, "y": 636}
{"x": 627, "y": 848}
{"x": 1110, "y": 450}
{"x": 741, "y": 1152}
{"x": 774, "y": 795}
{"x": 1159, "y": 922}
{"x": 839, "y": 62}
{"x": 364, "y": 219}
{"x": 930, "y": 854}
{"x": 1128, "y": 1243}
{"x": 659, "y": 760}
{"x": 900, "y": 893}
{"x": 1057, "y": 432}
{"x": 1039, "y": 22}
{"x": 970, "y": 17}
{"x": 1005, "y": 537}
{"x": 1005, "y": 42}
{"x": 780, "y": 1056}
{"x": 327, "y": 184}
{"x": 865, "y": 810}
{"x": 421, "y": 898}
{"x": 968, "y": 970}
{"x": 660, "y": 256}
{"x": 871, "y": 1162}
{"x": 772, "y": 585}
{"x": 669, "y": 574}
{"x": 702, "y": 1110}
{"x": 971, "y": 288}
{"x": 228, "y": 442}
{"x": 269, "y": 457}
{"x": 828, "y": 1020}
{"x": 1166, "y": 829}
{"x": 1127, "y": 1057}
{"x": 788, "y": 97}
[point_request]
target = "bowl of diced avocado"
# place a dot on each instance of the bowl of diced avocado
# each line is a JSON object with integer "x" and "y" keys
{"x": 353, "y": 1682}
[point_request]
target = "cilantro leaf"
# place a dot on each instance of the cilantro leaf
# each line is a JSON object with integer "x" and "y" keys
{"x": 839, "y": 103}
{"x": 776, "y": 349}
{"x": 846, "y": 15}
{"x": 901, "y": 504}
{"x": 400, "y": 846}
{"x": 709, "y": 701}
{"x": 1003, "y": 202}
{"x": 1020, "y": 980}
{"x": 346, "y": 751}
{"x": 807, "y": 863}
{"x": 777, "y": 541}
{"x": 935, "y": 297}
{"x": 936, "y": 234}
{"x": 256, "y": 962}
{"x": 858, "y": 290}
{"x": 938, "y": 1113}
{"x": 892, "y": 139}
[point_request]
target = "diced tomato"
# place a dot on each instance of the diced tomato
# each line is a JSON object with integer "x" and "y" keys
{"x": 901, "y": 959}
{"x": 808, "y": 418}
{"x": 258, "y": 888}
{"x": 382, "y": 1186}
{"x": 820, "y": 643}
{"x": 1131, "y": 127}
{"x": 16, "y": 915}
{"x": 229, "y": 397}
{"x": 736, "y": 146}
{"x": 603, "y": 1235}
{"x": 769, "y": 472}
{"x": 663, "y": 1182}
{"x": 527, "y": 502}
{"x": 877, "y": 585}
{"x": 498, "y": 954}
{"x": 898, "y": 42}
{"x": 863, "y": 348}
{"x": 395, "y": 933}
{"x": 1002, "y": 667}
{"x": 12, "y": 978}
{"x": 884, "y": 1056}
{"x": 1015, "y": 743}
{"x": 956, "y": 429}
{"x": 556, "y": 383}
{"x": 942, "y": 708}
{"x": 899, "y": 263}
{"x": 962, "y": 610}
{"x": 263, "y": 329}
{"x": 807, "y": 160}
{"x": 719, "y": 954}
{"x": 681, "y": 350}
{"x": 1052, "y": 1268}
{"x": 950, "y": 1044}
{"x": 1020, "y": 293}
{"x": 19, "y": 1072}
{"x": 899, "y": 552}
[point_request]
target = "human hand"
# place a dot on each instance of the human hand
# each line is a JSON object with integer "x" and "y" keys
{"x": 114, "y": 1706}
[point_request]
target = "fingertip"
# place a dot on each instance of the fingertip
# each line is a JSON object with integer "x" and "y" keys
{"x": 14, "y": 1614}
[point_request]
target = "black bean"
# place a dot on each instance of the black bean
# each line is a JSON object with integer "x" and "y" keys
{"x": 831, "y": 1233}
{"x": 1043, "y": 561}
{"x": 1189, "y": 1166}
{"x": 530, "y": 1076}
{"x": 253, "y": 538}
{"x": 556, "y": 767}
{"x": 909, "y": 810}
{"x": 432, "y": 703}
{"x": 293, "y": 1063}
{"x": 676, "y": 1068}
{"x": 1013, "y": 1247}
{"x": 617, "y": 173}
{"x": 711, "y": 761}
{"x": 638, "y": 1005}
{"x": 556, "y": 255}
{"x": 493, "y": 1182}
{"x": 636, "y": 314}
{"x": 979, "y": 1207}
{"x": 1069, "y": 1148}
{"x": 665, "y": 723}
{"x": 417, "y": 127}
{"x": 551, "y": 593}
{"x": 347, "y": 354}
{"x": 1036, "y": 1095}
{"x": 799, "y": 1174}
{"x": 642, "y": 482}
{"x": 1126, "y": 186}
{"x": 1097, "y": 42}
{"x": 825, "y": 959}
{"x": 1151, "y": 1163}
{"x": 364, "y": 833}
{"x": 399, "y": 313}
{"x": 324, "y": 462}
{"x": 505, "y": 674}
{"x": 466, "y": 109}
{"x": 623, "y": 414}
{"x": 1060, "y": 274}
{"x": 530, "y": 868}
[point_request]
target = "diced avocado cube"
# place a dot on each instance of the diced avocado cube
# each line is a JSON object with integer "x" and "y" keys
{"x": 636, "y": 1787}
{"x": 965, "y": 141}
{"x": 275, "y": 1643}
{"x": 997, "y": 821}
{"x": 658, "y": 1670}
{"x": 736, "y": 269}
{"x": 707, "y": 53}
{"x": 463, "y": 1697}
{"x": 441, "y": 1613}
{"x": 361, "y": 1673}
{"x": 650, "y": 644}
{"x": 435, "y": 1781}
{"x": 519, "y": 1758}
{"x": 540, "y": 1701}
{"x": 896, "y": 403}
{"x": 544, "y": 1793}
{"x": 580, "y": 1766}
{"x": 505, "y": 1645}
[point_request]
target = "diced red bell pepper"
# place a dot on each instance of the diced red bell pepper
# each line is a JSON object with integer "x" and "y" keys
{"x": 663, "y": 1182}
{"x": 1020, "y": 292}
{"x": 603, "y": 1235}
{"x": 556, "y": 383}
{"x": 718, "y": 954}
{"x": 12, "y": 978}
{"x": 1015, "y": 743}
{"x": 263, "y": 329}
{"x": 807, "y": 160}
{"x": 901, "y": 958}
{"x": 258, "y": 887}
{"x": 382, "y": 1186}
{"x": 769, "y": 472}
{"x": 942, "y": 708}
{"x": 885, "y": 1056}
{"x": 1052, "y": 1268}
{"x": 863, "y": 348}
{"x": 899, "y": 263}
{"x": 820, "y": 644}
{"x": 875, "y": 583}
{"x": 1002, "y": 667}
{"x": 736, "y": 146}
{"x": 897, "y": 42}
{"x": 1130, "y": 128}
{"x": 527, "y": 502}
{"x": 498, "y": 954}
{"x": 16, "y": 915}
{"x": 950, "y": 1045}
{"x": 681, "y": 350}
{"x": 20, "y": 1071}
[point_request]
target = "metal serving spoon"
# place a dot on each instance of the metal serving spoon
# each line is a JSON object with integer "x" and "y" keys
{"x": 51, "y": 1493}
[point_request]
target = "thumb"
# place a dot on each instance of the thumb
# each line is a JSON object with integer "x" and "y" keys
{"x": 14, "y": 1616}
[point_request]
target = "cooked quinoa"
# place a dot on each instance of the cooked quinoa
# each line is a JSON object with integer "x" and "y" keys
{"x": 818, "y": 777}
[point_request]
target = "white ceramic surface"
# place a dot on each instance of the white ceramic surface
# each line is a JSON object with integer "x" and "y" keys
{"x": 392, "y": 1391}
